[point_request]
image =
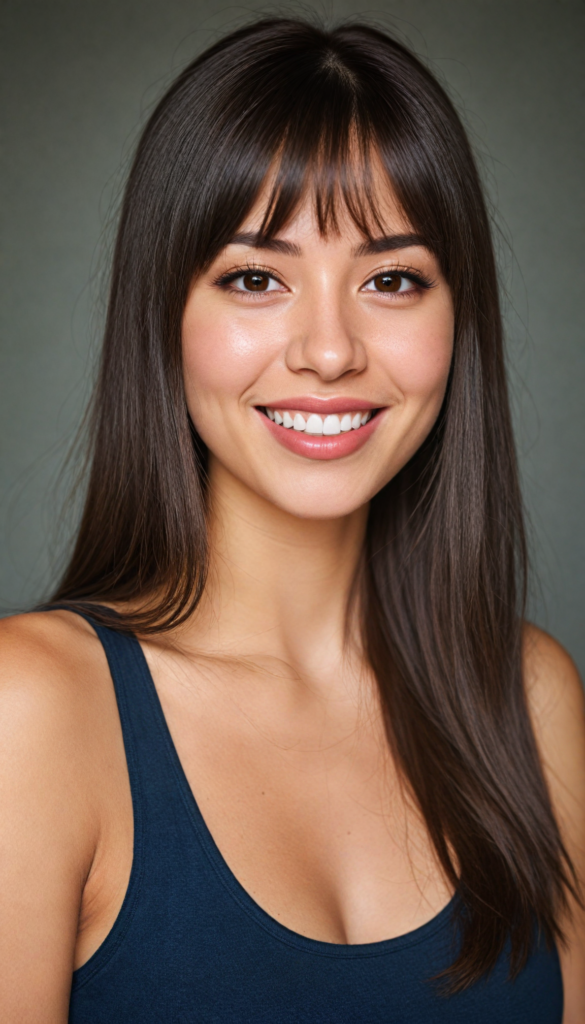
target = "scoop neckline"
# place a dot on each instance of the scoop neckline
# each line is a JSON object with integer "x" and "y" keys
{"x": 243, "y": 897}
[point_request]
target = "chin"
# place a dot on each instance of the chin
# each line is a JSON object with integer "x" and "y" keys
{"x": 313, "y": 503}
{"x": 306, "y": 489}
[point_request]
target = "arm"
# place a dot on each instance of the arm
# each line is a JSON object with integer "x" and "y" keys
{"x": 557, "y": 707}
{"x": 47, "y": 838}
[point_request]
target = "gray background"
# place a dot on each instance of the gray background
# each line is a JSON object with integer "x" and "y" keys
{"x": 79, "y": 77}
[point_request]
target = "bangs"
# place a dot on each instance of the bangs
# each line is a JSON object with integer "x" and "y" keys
{"x": 321, "y": 125}
{"x": 336, "y": 167}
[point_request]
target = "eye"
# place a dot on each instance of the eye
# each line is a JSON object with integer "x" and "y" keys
{"x": 390, "y": 282}
{"x": 255, "y": 281}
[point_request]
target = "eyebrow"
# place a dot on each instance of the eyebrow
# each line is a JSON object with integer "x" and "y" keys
{"x": 258, "y": 241}
{"x": 371, "y": 247}
{"x": 388, "y": 243}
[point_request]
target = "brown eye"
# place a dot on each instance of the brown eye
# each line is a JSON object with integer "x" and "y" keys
{"x": 388, "y": 282}
{"x": 255, "y": 282}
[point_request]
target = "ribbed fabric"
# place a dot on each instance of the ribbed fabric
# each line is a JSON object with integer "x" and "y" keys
{"x": 190, "y": 945}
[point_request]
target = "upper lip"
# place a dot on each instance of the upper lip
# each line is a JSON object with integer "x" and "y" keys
{"x": 325, "y": 406}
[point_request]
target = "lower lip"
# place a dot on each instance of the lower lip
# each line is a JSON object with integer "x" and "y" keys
{"x": 319, "y": 446}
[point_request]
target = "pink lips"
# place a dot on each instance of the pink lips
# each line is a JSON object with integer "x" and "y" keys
{"x": 320, "y": 446}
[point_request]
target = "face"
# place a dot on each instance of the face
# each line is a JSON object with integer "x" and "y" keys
{"x": 316, "y": 366}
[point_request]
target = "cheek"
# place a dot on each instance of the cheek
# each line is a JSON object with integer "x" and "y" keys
{"x": 222, "y": 355}
{"x": 419, "y": 357}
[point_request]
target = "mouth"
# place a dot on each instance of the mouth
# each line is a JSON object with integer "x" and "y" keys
{"x": 329, "y": 434}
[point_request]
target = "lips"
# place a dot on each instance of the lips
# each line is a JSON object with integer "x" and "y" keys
{"x": 321, "y": 429}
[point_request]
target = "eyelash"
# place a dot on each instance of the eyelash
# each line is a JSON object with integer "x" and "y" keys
{"x": 225, "y": 280}
{"x": 421, "y": 280}
{"x": 249, "y": 268}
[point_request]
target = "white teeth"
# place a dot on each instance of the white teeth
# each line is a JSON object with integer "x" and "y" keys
{"x": 314, "y": 424}
{"x": 331, "y": 425}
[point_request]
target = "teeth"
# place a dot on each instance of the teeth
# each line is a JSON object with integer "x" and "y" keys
{"x": 314, "y": 424}
{"x": 331, "y": 425}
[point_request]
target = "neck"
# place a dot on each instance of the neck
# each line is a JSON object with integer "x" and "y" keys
{"x": 278, "y": 585}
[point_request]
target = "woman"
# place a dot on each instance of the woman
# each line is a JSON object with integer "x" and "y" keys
{"x": 282, "y": 747}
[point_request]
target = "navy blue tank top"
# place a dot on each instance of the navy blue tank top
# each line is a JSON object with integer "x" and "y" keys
{"x": 190, "y": 945}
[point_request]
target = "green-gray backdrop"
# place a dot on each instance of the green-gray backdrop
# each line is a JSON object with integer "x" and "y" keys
{"x": 79, "y": 77}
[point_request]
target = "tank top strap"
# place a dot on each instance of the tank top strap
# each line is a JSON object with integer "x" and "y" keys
{"x": 144, "y": 730}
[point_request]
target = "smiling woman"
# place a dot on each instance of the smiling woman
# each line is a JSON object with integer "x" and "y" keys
{"x": 283, "y": 747}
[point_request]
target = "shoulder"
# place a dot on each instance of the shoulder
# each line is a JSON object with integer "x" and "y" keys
{"x": 556, "y": 699}
{"x": 53, "y": 678}
{"x": 54, "y": 714}
{"x": 547, "y": 664}
{"x": 47, "y": 659}
{"x": 557, "y": 707}
{"x": 556, "y": 703}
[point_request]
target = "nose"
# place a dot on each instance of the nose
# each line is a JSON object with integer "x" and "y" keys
{"x": 325, "y": 345}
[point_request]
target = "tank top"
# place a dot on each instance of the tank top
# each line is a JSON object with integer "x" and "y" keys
{"x": 191, "y": 945}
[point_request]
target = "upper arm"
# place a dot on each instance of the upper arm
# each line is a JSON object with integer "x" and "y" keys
{"x": 557, "y": 706}
{"x": 47, "y": 825}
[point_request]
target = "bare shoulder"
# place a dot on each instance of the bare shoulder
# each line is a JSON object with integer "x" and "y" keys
{"x": 54, "y": 691}
{"x": 43, "y": 635}
{"x": 557, "y": 705}
{"x": 52, "y": 669}
{"x": 50, "y": 663}
{"x": 54, "y": 700}
{"x": 56, "y": 706}
{"x": 550, "y": 670}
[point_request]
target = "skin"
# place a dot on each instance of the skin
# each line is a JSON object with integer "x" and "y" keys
{"x": 274, "y": 716}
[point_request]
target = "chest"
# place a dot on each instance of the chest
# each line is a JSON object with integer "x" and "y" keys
{"x": 303, "y": 801}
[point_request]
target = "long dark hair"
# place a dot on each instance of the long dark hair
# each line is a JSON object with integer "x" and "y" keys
{"x": 444, "y": 571}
